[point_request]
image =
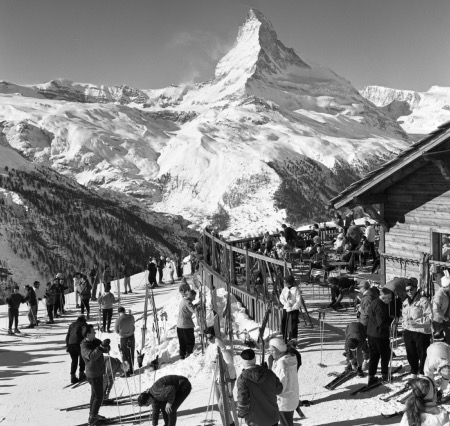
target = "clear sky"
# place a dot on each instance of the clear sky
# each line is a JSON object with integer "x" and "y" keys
{"x": 150, "y": 44}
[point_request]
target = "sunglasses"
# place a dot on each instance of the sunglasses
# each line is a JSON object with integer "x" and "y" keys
{"x": 410, "y": 290}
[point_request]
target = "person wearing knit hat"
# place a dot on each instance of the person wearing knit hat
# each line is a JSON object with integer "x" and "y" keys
{"x": 356, "y": 349}
{"x": 421, "y": 407}
{"x": 438, "y": 361}
{"x": 441, "y": 304}
{"x": 290, "y": 298}
{"x": 257, "y": 390}
{"x": 285, "y": 367}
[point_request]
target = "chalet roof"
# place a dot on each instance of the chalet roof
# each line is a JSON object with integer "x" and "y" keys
{"x": 406, "y": 157}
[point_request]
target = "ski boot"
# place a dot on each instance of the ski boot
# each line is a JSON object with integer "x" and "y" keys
{"x": 16, "y": 330}
{"x": 77, "y": 305}
{"x": 73, "y": 379}
{"x": 102, "y": 329}
{"x": 372, "y": 380}
{"x": 82, "y": 376}
{"x": 10, "y": 332}
{"x": 360, "y": 372}
{"x": 385, "y": 378}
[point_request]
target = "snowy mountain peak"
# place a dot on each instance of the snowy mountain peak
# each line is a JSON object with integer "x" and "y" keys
{"x": 257, "y": 51}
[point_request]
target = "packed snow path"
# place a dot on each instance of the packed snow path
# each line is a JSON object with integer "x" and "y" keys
{"x": 34, "y": 370}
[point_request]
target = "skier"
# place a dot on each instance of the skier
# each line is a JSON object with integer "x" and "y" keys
{"x": 171, "y": 268}
{"x": 438, "y": 361}
{"x": 76, "y": 283}
{"x": 161, "y": 265}
{"x": 107, "y": 277}
{"x": 62, "y": 288}
{"x": 441, "y": 303}
{"x": 257, "y": 390}
{"x": 290, "y": 298}
{"x": 185, "y": 325}
{"x": 378, "y": 331}
{"x": 50, "y": 299}
{"x": 92, "y": 351}
{"x": 112, "y": 367}
{"x": 124, "y": 327}
{"x": 166, "y": 395}
{"x": 367, "y": 295}
{"x": 13, "y": 301}
{"x": 94, "y": 276}
{"x": 356, "y": 348}
{"x": 123, "y": 269}
{"x": 31, "y": 300}
{"x": 152, "y": 271}
{"x": 421, "y": 408}
{"x": 74, "y": 338}
{"x": 106, "y": 301}
{"x": 417, "y": 328}
{"x": 285, "y": 367}
{"x": 84, "y": 290}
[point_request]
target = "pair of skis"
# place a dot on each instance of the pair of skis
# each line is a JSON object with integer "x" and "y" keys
{"x": 367, "y": 388}
{"x": 400, "y": 413}
{"x": 340, "y": 379}
{"x": 121, "y": 400}
{"x": 75, "y": 385}
{"x": 128, "y": 418}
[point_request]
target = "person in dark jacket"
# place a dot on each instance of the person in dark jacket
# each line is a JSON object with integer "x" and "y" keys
{"x": 84, "y": 290}
{"x": 366, "y": 296}
{"x": 166, "y": 395}
{"x": 92, "y": 351}
{"x": 31, "y": 301}
{"x": 107, "y": 277}
{"x": 378, "y": 332}
{"x": 152, "y": 271}
{"x": 258, "y": 388}
{"x": 161, "y": 265}
{"x": 13, "y": 301}
{"x": 356, "y": 348}
{"x": 74, "y": 338}
{"x": 340, "y": 287}
{"x": 123, "y": 269}
{"x": 94, "y": 276}
{"x": 290, "y": 234}
{"x": 50, "y": 300}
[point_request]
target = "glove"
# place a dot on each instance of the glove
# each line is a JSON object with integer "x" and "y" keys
{"x": 106, "y": 342}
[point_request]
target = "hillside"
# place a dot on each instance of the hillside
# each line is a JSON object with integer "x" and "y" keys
{"x": 50, "y": 224}
{"x": 269, "y": 128}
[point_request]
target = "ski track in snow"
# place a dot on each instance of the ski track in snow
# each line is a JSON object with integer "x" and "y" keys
{"x": 34, "y": 371}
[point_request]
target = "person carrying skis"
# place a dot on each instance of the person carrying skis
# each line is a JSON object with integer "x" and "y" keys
{"x": 74, "y": 338}
{"x": 290, "y": 298}
{"x": 50, "y": 300}
{"x": 421, "y": 407}
{"x": 92, "y": 351}
{"x": 285, "y": 367}
{"x": 106, "y": 301}
{"x": 152, "y": 271}
{"x": 356, "y": 349}
{"x": 417, "y": 313}
{"x": 438, "y": 361}
{"x": 185, "y": 325}
{"x": 257, "y": 390}
{"x": 124, "y": 327}
{"x": 83, "y": 288}
{"x": 94, "y": 276}
{"x": 378, "y": 331}
{"x": 166, "y": 395}
{"x": 31, "y": 300}
{"x": 13, "y": 301}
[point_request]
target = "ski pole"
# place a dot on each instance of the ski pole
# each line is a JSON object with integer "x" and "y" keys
{"x": 114, "y": 385}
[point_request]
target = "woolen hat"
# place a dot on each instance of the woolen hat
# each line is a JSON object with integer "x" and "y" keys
{"x": 248, "y": 356}
{"x": 290, "y": 279}
{"x": 278, "y": 343}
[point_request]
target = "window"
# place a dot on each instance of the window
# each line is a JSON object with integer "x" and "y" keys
{"x": 440, "y": 245}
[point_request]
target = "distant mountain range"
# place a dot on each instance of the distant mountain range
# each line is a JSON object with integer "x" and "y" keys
{"x": 270, "y": 138}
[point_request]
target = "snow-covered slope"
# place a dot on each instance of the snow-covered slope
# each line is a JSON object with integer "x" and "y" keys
{"x": 416, "y": 112}
{"x": 271, "y": 137}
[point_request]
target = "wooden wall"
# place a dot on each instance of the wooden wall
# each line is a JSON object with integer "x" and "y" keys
{"x": 415, "y": 205}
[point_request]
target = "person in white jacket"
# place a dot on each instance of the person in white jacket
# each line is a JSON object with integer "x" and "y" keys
{"x": 290, "y": 298}
{"x": 421, "y": 407}
{"x": 441, "y": 304}
{"x": 438, "y": 361}
{"x": 285, "y": 367}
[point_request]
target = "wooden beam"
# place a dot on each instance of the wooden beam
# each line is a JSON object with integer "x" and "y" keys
{"x": 441, "y": 160}
{"x": 382, "y": 248}
{"x": 437, "y": 155}
{"x": 370, "y": 199}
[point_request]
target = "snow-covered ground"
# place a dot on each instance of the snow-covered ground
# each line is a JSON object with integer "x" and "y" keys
{"x": 35, "y": 369}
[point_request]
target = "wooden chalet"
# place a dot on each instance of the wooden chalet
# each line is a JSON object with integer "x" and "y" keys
{"x": 410, "y": 198}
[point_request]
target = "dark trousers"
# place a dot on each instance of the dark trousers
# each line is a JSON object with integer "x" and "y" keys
{"x": 57, "y": 305}
{"x": 152, "y": 279}
{"x": 96, "y": 395}
{"x": 186, "y": 339}
{"x": 13, "y": 315}
{"x": 85, "y": 305}
{"x": 160, "y": 273}
{"x": 289, "y": 324}
{"x": 372, "y": 250}
{"x": 107, "y": 316}
{"x": 77, "y": 359}
{"x": 32, "y": 314}
{"x": 182, "y": 393}
{"x": 94, "y": 288}
{"x": 287, "y": 418}
{"x": 443, "y": 327}
{"x": 416, "y": 345}
{"x": 50, "y": 312}
{"x": 128, "y": 344}
{"x": 379, "y": 348}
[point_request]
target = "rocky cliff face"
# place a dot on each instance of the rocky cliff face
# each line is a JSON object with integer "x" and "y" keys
{"x": 269, "y": 128}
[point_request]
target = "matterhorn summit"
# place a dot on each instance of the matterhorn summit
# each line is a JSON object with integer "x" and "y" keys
{"x": 271, "y": 137}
